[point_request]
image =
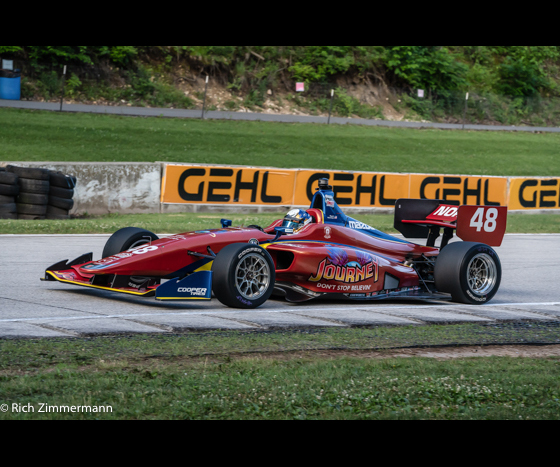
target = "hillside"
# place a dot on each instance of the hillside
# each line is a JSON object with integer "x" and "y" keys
{"x": 507, "y": 84}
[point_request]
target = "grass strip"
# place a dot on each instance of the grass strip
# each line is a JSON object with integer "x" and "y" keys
{"x": 58, "y": 137}
{"x": 164, "y": 377}
{"x": 179, "y": 223}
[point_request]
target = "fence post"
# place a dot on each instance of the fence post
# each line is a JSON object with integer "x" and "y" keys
{"x": 332, "y": 102}
{"x": 205, "y": 93}
{"x": 63, "y": 87}
{"x": 466, "y": 108}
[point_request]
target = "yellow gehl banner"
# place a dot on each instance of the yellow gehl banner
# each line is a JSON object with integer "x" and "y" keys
{"x": 460, "y": 190}
{"x": 188, "y": 184}
{"x": 534, "y": 193}
{"x": 227, "y": 185}
{"x": 359, "y": 189}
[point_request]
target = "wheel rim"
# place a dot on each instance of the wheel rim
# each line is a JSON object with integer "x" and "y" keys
{"x": 252, "y": 277}
{"x": 482, "y": 274}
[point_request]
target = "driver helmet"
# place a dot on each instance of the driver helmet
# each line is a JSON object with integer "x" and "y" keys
{"x": 296, "y": 220}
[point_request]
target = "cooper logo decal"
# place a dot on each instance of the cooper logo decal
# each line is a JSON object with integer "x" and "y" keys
{"x": 328, "y": 232}
{"x": 194, "y": 292}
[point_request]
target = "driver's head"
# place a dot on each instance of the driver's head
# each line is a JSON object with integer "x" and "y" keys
{"x": 296, "y": 220}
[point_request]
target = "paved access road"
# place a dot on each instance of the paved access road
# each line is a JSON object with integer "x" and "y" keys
{"x": 248, "y": 116}
{"x": 30, "y": 308}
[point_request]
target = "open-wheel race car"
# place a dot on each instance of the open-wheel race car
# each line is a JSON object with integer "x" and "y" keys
{"x": 308, "y": 255}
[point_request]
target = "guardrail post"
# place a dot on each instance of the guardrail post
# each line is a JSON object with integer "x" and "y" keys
{"x": 205, "y": 94}
{"x": 466, "y": 109}
{"x": 63, "y": 87}
{"x": 332, "y": 102}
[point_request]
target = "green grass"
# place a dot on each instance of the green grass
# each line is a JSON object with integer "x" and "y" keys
{"x": 179, "y": 223}
{"x": 46, "y": 136}
{"x": 309, "y": 375}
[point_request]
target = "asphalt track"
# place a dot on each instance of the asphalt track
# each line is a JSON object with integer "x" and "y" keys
{"x": 249, "y": 116}
{"x": 33, "y": 309}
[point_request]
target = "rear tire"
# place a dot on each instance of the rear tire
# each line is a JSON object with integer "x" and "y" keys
{"x": 126, "y": 239}
{"x": 470, "y": 272}
{"x": 244, "y": 276}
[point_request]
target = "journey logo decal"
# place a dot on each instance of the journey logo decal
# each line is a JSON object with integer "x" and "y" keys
{"x": 338, "y": 267}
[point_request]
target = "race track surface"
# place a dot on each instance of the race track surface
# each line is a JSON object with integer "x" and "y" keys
{"x": 33, "y": 309}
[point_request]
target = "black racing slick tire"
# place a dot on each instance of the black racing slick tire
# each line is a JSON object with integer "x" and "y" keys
{"x": 64, "y": 193}
{"x": 8, "y": 208}
{"x": 29, "y": 173}
{"x": 7, "y": 199}
{"x": 31, "y": 198}
{"x": 9, "y": 190}
{"x": 8, "y": 178}
{"x": 32, "y": 209}
{"x": 39, "y": 187}
{"x": 60, "y": 180}
{"x": 126, "y": 239}
{"x": 244, "y": 276}
{"x": 470, "y": 272}
{"x": 61, "y": 203}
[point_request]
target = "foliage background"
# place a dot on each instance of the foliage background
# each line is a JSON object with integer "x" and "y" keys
{"x": 144, "y": 75}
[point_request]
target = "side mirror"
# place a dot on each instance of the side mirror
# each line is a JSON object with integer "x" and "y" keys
{"x": 226, "y": 223}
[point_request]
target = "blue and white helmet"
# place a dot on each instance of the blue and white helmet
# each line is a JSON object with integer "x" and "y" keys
{"x": 296, "y": 220}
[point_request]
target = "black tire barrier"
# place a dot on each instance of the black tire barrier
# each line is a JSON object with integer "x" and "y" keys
{"x": 8, "y": 178}
{"x": 2, "y": 169}
{"x": 39, "y": 187}
{"x": 32, "y": 209}
{"x": 9, "y": 216}
{"x": 29, "y": 173}
{"x": 26, "y": 217}
{"x": 225, "y": 267}
{"x": 7, "y": 199}
{"x": 8, "y": 208}
{"x": 30, "y": 198}
{"x": 128, "y": 238}
{"x": 9, "y": 190}
{"x": 61, "y": 203}
{"x": 52, "y": 211}
{"x": 61, "y": 180}
{"x": 57, "y": 218}
{"x": 64, "y": 193}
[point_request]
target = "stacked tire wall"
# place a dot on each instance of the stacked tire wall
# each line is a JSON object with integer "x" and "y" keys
{"x": 61, "y": 195}
{"x": 33, "y": 192}
{"x": 9, "y": 190}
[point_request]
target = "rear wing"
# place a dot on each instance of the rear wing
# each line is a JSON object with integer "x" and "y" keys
{"x": 416, "y": 218}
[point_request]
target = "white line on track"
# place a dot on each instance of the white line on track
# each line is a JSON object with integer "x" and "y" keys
{"x": 283, "y": 310}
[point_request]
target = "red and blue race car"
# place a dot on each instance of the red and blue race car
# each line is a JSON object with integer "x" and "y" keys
{"x": 316, "y": 254}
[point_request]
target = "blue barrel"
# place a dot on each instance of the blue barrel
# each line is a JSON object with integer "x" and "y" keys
{"x": 10, "y": 85}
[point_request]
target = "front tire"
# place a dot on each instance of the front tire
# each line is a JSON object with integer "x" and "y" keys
{"x": 244, "y": 276}
{"x": 470, "y": 272}
{"x": 126, "y": 239}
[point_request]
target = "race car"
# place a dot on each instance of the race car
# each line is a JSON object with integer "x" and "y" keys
{"x": 316, "y": 254}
